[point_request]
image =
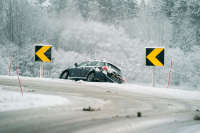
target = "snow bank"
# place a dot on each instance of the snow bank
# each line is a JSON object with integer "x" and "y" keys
{"x": 175, "y": 93}
{"x": 16, "y": 101}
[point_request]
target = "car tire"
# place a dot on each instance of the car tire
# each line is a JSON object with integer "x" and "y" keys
{"x": 90, "y": 77}
{"x": 64, "y": 75}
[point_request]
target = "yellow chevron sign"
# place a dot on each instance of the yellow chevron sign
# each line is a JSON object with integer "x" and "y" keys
{"x": 154, "y": 56}
{"x": 42, "y": 53}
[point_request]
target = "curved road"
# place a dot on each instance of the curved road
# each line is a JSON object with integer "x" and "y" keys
{"x": 118, "y": 112}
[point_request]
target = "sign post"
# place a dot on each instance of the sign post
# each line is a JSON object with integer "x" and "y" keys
{"x": 153, "y": 76}
{"x": 42, "y": 54}
{"x": 41, "y": 69}
{"x": 154, "y": 57}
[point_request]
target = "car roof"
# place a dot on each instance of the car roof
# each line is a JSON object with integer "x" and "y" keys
{"x": 103, "y": 60}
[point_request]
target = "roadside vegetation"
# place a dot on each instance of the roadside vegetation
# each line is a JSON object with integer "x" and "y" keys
{"x": 115, "y": 30}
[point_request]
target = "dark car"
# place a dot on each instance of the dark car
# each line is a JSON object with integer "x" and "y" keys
{"x": 94, "y": 71}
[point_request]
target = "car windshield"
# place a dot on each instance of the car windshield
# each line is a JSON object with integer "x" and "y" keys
{"x": 83, "y": 64}
{"x": 115, "y": 68}
{"x": 93, "y": 63}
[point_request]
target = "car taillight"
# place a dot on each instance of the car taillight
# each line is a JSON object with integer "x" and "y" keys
{"x": 123, "y": 79}
{"x": 105, "y": 68}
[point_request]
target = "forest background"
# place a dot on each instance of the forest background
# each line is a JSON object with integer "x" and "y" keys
{"x": 115, "y": 30}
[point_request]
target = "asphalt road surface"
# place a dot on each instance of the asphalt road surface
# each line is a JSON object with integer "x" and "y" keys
{"x": 160, "y": 114}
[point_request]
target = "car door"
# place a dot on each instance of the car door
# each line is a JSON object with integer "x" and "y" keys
{"x": 80, "y": 69}
{"x": 90, "y": 66}
{"x": 72, "y": 72}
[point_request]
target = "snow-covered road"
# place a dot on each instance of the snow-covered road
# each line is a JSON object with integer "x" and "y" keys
{"x": 60, "y": 104}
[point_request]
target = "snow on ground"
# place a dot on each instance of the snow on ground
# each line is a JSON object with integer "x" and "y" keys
{"x": 16, "y": 101}
{"x": 29, "y": 100}
{"x": 133, "y": 126}
{"x": 182, "y": 94}
{"x": 176, "y": 93}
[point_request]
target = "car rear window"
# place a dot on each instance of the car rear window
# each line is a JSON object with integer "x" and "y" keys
{"x": 93, "y": 63}
{"x": 115, "y": 68}
{"x": 83, "y": 64}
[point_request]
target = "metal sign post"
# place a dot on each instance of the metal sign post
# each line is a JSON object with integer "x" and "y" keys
{"x": 41, "y": 69}
{"x": 153, "y": 76}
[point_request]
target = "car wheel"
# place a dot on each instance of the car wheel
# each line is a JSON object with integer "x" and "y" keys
{"x": 90, "y": 77}
{"x": 64, "y": 75}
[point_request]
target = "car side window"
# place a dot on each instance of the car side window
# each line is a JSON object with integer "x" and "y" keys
{"x": 100, "y": 64}
{"x": 92, "y": 63}
{"x": 82, "y": 64}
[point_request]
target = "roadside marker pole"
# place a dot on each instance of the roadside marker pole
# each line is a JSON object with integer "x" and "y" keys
{"x": 153, "y": 76}
{"x": 41, "y": 69}
{"x": 10, "y": 65}
{"x": 169, "y": 74}
{"x": 19, "y": 80}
